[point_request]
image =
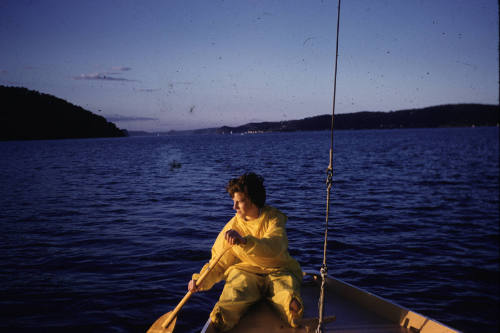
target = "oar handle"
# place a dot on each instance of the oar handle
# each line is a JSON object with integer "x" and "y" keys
{"x": 174, "y": 312}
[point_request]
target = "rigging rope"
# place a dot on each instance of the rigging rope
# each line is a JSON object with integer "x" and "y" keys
{"x": 329, "y": 184}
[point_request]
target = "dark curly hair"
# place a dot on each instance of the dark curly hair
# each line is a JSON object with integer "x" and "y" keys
{"x": 252, "y": 185}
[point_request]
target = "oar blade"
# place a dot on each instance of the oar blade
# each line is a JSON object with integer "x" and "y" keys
{"x": 157, "y": 325}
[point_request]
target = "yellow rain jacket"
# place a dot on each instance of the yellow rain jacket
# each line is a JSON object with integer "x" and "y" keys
{"x": 264, "y": 254}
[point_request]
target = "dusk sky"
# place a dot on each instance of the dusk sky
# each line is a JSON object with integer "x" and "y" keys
{"x": 163, "y": 65}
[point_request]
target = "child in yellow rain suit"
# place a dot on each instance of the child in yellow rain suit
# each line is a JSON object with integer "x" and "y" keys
{"x": 258, "y": 265}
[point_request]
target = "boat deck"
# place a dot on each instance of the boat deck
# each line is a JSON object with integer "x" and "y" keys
{"x": 355, "y": 309}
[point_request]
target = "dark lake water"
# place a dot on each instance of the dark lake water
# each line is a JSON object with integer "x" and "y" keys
{"x": 102, "y": 235}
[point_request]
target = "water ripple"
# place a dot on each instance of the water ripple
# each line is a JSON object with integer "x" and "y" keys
{"x": 107, "y": 229}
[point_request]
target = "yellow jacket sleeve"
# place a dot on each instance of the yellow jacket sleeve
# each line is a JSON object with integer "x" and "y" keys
{"x": 272, "y": 243}
{"x": 228, "y": 259}
{"x": 265, "y": 251}
{"x": 267, "y": 248}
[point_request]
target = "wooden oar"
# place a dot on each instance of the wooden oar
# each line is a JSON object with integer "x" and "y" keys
{"x": 166, "y": 323}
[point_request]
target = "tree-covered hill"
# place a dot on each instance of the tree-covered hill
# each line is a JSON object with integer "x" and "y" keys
{"x": 30, "y": 115}
{"x": 452, "y": 115}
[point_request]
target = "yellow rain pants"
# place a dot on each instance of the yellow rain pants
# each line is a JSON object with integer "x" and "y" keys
{"x": 261, "y": 268}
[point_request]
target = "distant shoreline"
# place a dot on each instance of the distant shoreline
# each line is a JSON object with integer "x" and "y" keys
{"x": 213, "y": 132}
{"x": 30, "y": 115}
{"x": 442, "y": 116}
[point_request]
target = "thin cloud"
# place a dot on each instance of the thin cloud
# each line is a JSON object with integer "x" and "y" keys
{"x": 102, "y": 77}
{"x": 108, "y": 75}
{"x": 121, "y": 68}
{"x": 120, "y": 118}
{"x": 146, "y": 90}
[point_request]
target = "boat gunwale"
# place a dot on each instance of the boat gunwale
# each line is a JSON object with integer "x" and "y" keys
{"x": 383, "y": 307}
